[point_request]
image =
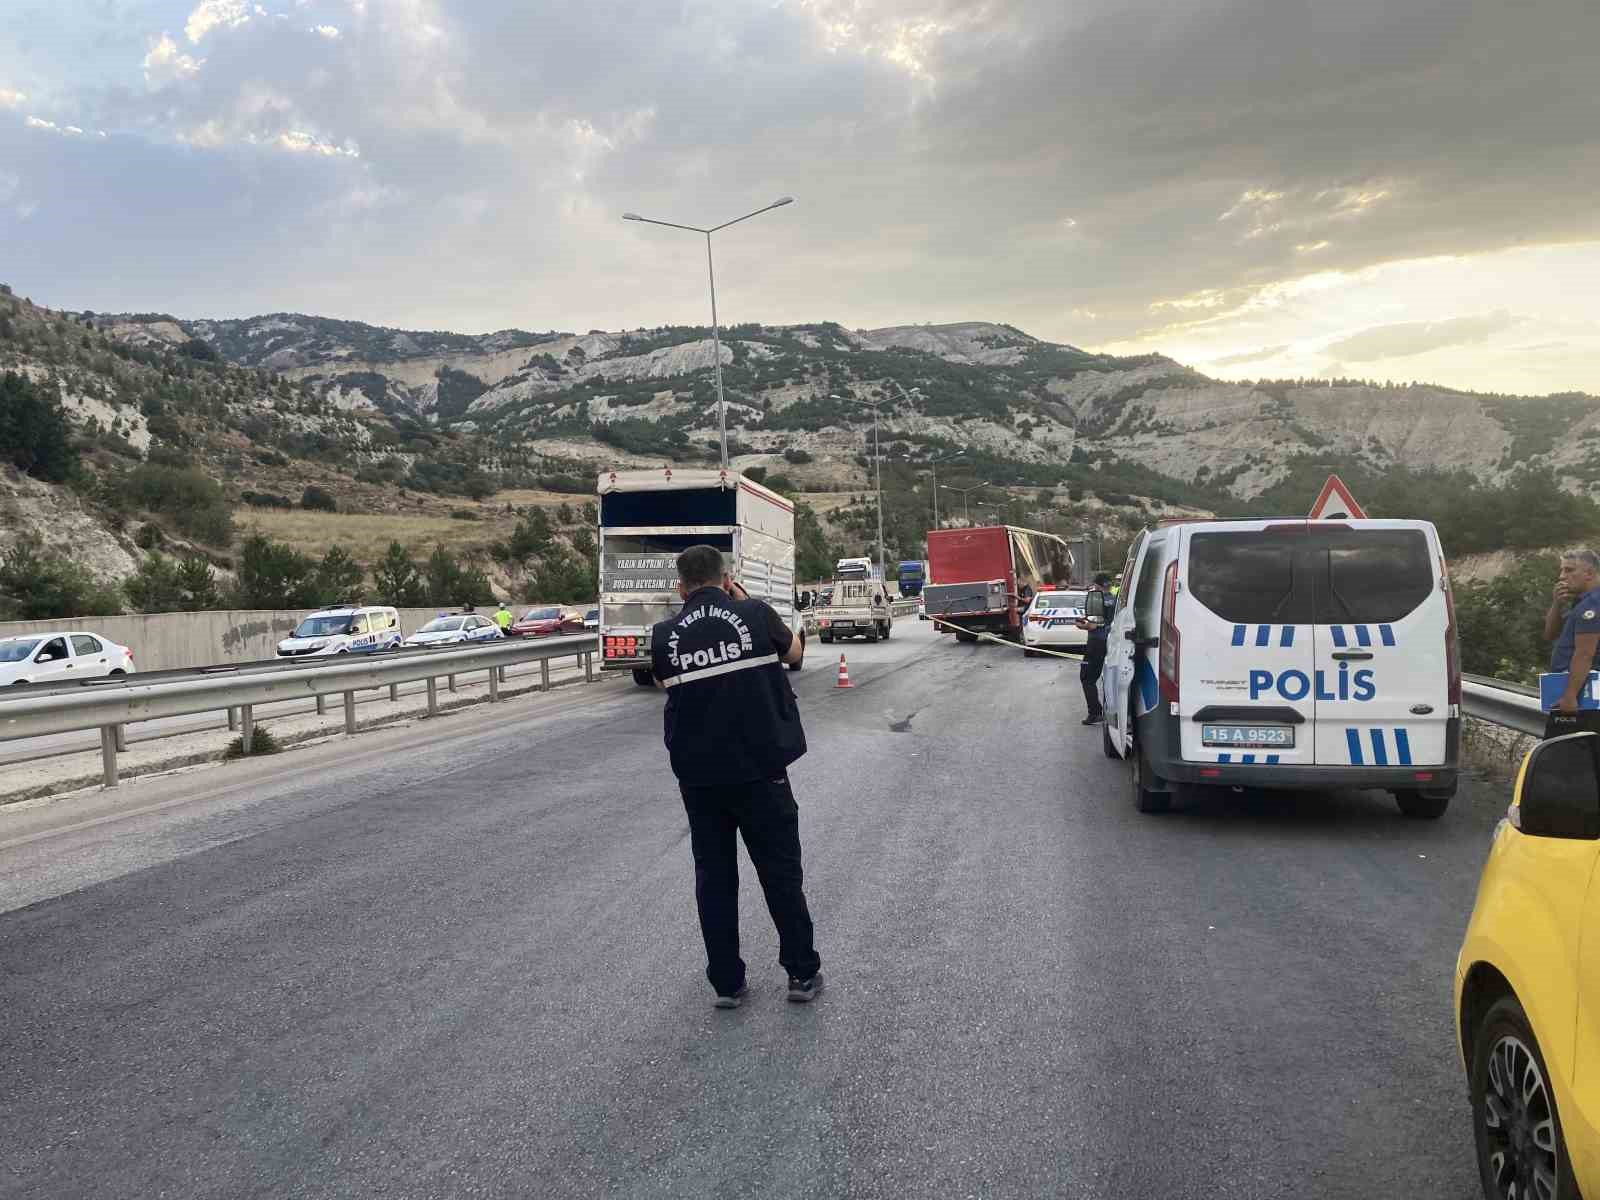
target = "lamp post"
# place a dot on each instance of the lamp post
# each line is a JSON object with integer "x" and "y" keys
{"x": 877, "y": 465}
{"x": 934, "y": 463}
{"x": 965, "y": 493}
{"x": 716, "y": 339}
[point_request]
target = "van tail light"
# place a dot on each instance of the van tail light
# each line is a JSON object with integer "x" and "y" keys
{"x": 1170, "y": 641}
{"x": 1452, "y": 644}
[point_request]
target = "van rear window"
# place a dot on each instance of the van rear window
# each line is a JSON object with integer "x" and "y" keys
{"x": 1318, "y": 575}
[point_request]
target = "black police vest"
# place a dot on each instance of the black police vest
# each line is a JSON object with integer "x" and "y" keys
{"x": 731, "y": 716}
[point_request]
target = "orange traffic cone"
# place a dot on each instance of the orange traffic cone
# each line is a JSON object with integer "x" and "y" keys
{"x": 844, "y": 674}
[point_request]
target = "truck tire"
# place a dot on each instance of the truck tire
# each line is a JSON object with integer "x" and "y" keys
{"x": 1420, "y": 807}
{"x": 885, "y": 630}
{"x": 963, "y": 636}
{"x": 1145, "y": 800}
{"x": 643, "y": 677}
{"x": 872, "y": 634}
{"x": 827, "y": 638}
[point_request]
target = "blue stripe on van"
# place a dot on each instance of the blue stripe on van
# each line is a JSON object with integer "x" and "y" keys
{"x": 1402, "y": 747}
{"x": 1386, "y": 632}
{"x": 1363, "y": 636}
{"x": 1224, "y": 758}
{"x": 1380, "y": 751}
{"x": 1352, "y": 739}
{"x": 1263, "y": 634}
{"x": 1338, "y": 636}
{"x": 1238, "y": 635}
{"x": 1288, "y": 636}
{"x": 1248, "y": 758}
{"x": 1272, "y": 760}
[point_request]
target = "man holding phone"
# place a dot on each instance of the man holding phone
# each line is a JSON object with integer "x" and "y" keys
{"x": 1573, "y": 621}
{"x": 732, "y": 728}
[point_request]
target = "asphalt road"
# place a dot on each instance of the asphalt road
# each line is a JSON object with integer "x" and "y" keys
{"x": 462, "y": 960}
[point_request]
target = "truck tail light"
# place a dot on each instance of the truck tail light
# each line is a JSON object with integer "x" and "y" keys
{"x": 1170, "y": 641}
{"x": 1452, "y": 644}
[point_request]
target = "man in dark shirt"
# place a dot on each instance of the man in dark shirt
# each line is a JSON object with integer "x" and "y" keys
{"x": 1094, "y": 656}
{"x": 1574, "y": 622}
{"x": 732, "y": 729}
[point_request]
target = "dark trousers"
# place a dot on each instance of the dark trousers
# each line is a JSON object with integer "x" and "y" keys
{"x": 1089, "y": 676}
{"x": 763, "y": 811}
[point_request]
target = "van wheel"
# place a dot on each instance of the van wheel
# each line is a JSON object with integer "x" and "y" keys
{"x": 1144, "y": 799}
{"x": 1420, "y": 807}
{"x": 1106, "y": 744}
{"x": 1515, "y": 1127}
{"x": 872, "y": 634}
{"x": 643, "y": 678}
{"x": 886, "y": 631}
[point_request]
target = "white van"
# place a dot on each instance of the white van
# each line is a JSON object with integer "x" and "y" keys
{"x": 347, "y": 629}
{"x": 1286, "y": 654}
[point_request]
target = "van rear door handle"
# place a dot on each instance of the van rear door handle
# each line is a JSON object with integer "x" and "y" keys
{"x": 1352, "y": 655}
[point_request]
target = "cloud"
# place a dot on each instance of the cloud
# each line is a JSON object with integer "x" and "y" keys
{"x": 216, "y": 14}
{"x": 1418, "y": 337}
{"x": 328, "y": 31}
{"x": 1253, "y": 356}
{"x": 165, "y": 63}
{"x": 11, "y": 98}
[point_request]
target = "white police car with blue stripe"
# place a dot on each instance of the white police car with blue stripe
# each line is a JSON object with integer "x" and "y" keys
{"x": 1286, "y": 654}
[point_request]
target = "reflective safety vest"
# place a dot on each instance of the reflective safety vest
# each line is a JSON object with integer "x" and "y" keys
{"x": 731, "y": 715}
{"x": 503, "y": 619}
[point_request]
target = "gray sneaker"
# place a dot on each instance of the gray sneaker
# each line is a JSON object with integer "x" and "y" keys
{"x": 734, "y": 1000}
{"x": 804, "y": 991}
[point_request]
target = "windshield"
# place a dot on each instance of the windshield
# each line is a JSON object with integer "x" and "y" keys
{"x": 441, "y": 625}
{"x": 1050, "y": 600}
{"x": 542, "y": 614}
{"x": 17, "y": 649}
{"x": 322, "y": 626}
{"x": 592, "y": 615}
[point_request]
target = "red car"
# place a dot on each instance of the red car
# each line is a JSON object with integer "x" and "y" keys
{"x": 545, "y": 622}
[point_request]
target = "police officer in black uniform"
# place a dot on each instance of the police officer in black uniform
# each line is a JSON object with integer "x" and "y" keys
{"x": 732, "y": 729}
{"x": 1094, "y": 656}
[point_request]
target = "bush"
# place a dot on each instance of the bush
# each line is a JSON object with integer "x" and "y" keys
{"x": 149, "y": 537}
{"x": 318, "y": 499}
{"x": 34, "y": 434}
{"x": 796, "y": 457}
{"x": 266, "y": 500}
{"x": 464, "y": 514}
{"x": 192, "y": 498}
{"x": 450, "y": 584}
{"x": 398, "y": 581}
{"x": 272, "y": 575}
{"x": 162, "y": 585}
{"x": 40, "y": 585}
{"x": 261, "y": 742}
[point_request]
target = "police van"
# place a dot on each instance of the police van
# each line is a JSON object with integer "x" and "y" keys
{"x": 1285, "y": 654}
{"x": 347, "y": 629}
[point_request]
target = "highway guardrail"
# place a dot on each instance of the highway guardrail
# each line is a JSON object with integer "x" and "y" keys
{"x": 109, "y": 708}
{"x": 1508, "y": 704}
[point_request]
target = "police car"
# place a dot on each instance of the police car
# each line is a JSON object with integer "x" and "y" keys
{"x": 450, "y": 631}
{"x": 347, "y": 629}
{"x": 1286, "y": 654}
{"x": 1052, "y": 622}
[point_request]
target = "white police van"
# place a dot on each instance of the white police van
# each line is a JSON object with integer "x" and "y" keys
{"x": 346, "y": 629}
{"x": 1286, "y": 654}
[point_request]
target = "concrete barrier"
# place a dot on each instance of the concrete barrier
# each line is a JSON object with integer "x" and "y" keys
{"x": 173, "y": 641}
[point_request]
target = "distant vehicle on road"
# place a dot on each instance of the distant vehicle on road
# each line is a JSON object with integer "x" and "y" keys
{"x": 447, "y": 631}
{"x": 980, "y": 580}
{"x": 548, "y": 621}
{"x": 591, "y": 620}
{"x": 858, "y": 608}
{"x": 854, "y": 568}
{"x": 1285, "y": 654}
{"x": 57, "y": 657}
{"x": 1528, "y": 979}
{"x": 647, "y": 518}
{"x": 913, "y": 573}
{"x": 1052, "y": 622}
{"x": 347, "y": 629}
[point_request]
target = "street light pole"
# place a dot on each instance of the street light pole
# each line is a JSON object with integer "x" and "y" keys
{"x": 934, "y": 463}
{"x": 966, "y": 513}
{"x": 877, "y": 463}
{"x": 711, "y": 274}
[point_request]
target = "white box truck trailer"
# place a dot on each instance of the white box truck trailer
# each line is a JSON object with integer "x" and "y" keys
{"x": 647, "y": 518}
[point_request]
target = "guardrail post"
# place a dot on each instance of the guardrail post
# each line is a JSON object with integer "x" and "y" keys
{"x": 394, "y": 693}
{"x": 503, "y": 676}
{"x": 322, "y": 704}
{"x": 108, "y": 755}
{"x": 349, "y": 712}
{"x": 544, "y": 674}
{"x": 233, "y": 719}
{"x": 122, "y": 738}
{"x": 433, "y": 696}
{"x": 247, "y": 730}
{"x": 450, "y": 682}
{"x": 494, "y": 684}
{"x": 588, "y": 667}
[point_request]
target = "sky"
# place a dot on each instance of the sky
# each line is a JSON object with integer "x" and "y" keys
{"x": 1382, "y": 189}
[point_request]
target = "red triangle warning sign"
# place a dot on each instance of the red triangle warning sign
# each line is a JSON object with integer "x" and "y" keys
{"x": 1335, "y": 503}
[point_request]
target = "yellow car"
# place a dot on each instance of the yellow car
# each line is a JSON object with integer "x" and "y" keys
{"x": 1528, "y": 984}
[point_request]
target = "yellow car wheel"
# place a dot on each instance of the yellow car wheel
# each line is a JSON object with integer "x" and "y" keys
{"x": 1514, "y": 1121}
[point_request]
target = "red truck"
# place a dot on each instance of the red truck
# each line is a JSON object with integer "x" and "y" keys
{"x": 977, "y": 576}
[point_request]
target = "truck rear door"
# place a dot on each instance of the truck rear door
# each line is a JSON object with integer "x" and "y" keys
{"x": 1242, "y": 614}
{"x": 1381, "y": 677}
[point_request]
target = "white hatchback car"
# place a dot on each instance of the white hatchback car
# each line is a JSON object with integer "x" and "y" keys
{"x": 1052, "y": 622}
{"x": 58, "y": 657}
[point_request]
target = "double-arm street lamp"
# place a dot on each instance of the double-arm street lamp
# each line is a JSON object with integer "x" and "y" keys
{"x": 966, "y": 493}
{"x": 877, "y": 464}
{"x": 934, "y": 463}
{"x": 716, "y": 340}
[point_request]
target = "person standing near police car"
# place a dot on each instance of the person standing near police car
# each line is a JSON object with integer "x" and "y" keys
{"x": 732, "y": 728}
{"x": 1094, "y": 654}
{"x": 1573, "y": 621}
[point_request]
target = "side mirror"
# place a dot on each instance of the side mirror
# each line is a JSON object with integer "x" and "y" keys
{"x": 1558, "y": 790}
{"x": 1097, "y": 606}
